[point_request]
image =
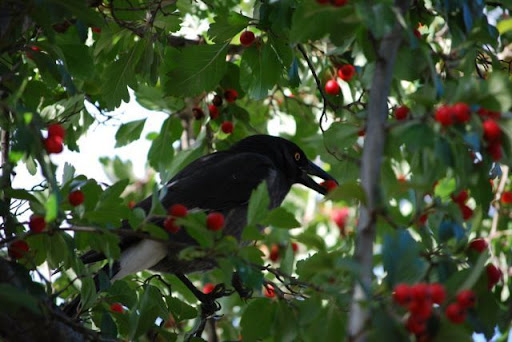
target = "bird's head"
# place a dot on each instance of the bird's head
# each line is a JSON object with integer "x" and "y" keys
{"x": 288, "y": 157}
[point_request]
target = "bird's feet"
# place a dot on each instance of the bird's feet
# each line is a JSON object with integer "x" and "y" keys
{"x": 237, "y": 283}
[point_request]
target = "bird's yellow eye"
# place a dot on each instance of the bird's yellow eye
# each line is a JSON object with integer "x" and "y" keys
{"x": 297, "y": 156}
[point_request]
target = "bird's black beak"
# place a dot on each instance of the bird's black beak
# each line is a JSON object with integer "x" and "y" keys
{"x": 314, "y": 170}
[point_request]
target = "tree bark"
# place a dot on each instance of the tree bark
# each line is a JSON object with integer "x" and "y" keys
{"x": 373, "y": 149}
{"x": 23, "y": 325}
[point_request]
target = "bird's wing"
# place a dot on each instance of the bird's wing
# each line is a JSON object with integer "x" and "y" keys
{"x": 216, "y": 182}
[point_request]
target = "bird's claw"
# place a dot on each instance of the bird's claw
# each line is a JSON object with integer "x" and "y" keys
{"x": 244, "y": 292}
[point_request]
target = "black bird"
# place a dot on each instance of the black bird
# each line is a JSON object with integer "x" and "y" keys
{"x": 220, "y": 182}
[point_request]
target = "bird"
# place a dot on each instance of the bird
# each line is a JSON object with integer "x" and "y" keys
{"x": 218, "y": 182}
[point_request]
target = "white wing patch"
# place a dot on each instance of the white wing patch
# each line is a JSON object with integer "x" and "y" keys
{"x": 139, "y": 257}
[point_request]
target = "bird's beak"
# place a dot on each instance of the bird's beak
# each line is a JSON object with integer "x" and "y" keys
{"x": 314, "y": 170}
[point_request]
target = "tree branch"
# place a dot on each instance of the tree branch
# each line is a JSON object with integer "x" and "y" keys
{"x": 370, "y": 175}
{"x": 24, "y": 325}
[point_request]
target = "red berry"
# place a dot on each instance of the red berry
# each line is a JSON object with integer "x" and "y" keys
{"x": 402, "y": 294}
{"x": 421, "y": 292}
{"x": 494, "y": 150}
{"x": 231, "y": 95}
{"x": 461, "y": 197}
{"x": 478, "y": 245}
{"x": 417, "y": 33}
{"x": 295, "y": 247}
{"x": 438, "y": 293}
{"x": 421, "y": 309}
{"x": 131, "y": 204}
{"x": 170, "y": 225}
{"x": 332, "y": 87}
{"x": 361, "y": 132}
{"x": 492, "y": 132}
{"x": 35, "y": 48}
{"x": 208, "y": 287}
{"x": 214, "y": 111}
{"x": 329, "y": 185}
{"x": 198, "y": 113}
{"x": 506, "y": 197}
{"x": 466, "y": 211}
{"x": 96, "y": 29}
{"x": 338, "y": 3}
{"x": 53, "y": 144}
{"x": 416, "y": 325}
{"x": 247, "y": 38}
{"x": 340, "y": 216}
{"x": 488, "y": 113}
{"x": 215, "y": 221}
{"x": 466, "y": 299}
{"x": 18, "y": 249}
{"x": 56, "y": 130}
{"x": 116, "y": 307}
{"x": 444, "y": 115}
{"x": 227, "y": 127}
{"x": 274, "y": 253}
{"x": 76, "y": 198}
{"x": 178, "y": 210}
{"x": 402, "y": 112}
{"x": 493, "y": 275}
{"x": 269, "y": 291}
{"x": 346, "y": 72}
{"x": 455, "y": 313}
{"x": 461, "y": 112}
{"x": 423, "y": 219}
{"x": 36, "y": 223}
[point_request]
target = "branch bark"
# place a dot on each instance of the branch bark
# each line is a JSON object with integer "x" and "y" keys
{"x": 370, "y": 176}
{"x": 24, "y": 325}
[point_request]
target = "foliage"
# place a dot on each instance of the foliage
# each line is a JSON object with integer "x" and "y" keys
{"x": 58, "y": 56}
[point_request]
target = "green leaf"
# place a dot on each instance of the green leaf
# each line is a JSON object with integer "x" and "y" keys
{"x": 118, "y": 77}
{"x": 281, "y": 218}
{"x": 226, "y": 27}
{"x": 504, "y": 26}
{"x": 180, "y": 310}
{"x": 260, "y": 70}
{"x": 68, "y": 173}
{"x": 257, "y": 319}
{"x": 52, "y": 208}
{"x": 258, "y": 205}
{"x": 401, "y": 258}
{"x": 150, "y": 307}
{"x": 161, "y": 152}
{"x": 129, "y": 132}
{"x": 199, "y": 68}
{"x": 347, "y": 192}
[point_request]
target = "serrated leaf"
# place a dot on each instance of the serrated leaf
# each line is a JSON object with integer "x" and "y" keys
{"x": 226, "y": 27}
{"x": 199, "y": 68}
{"x": 129, "y": 132}
{"x": 260, "y": 71}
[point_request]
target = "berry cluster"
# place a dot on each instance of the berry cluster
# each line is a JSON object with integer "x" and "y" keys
{"x": 419, "y": 299}
{"x": 346, "y": 72}
{"x": 456, "y": 312}
{"x": 460, "y": 199}
{"x": 53, "y": 143}
{"x": 174, "y": 211}
{"x": 230, "y": 95}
